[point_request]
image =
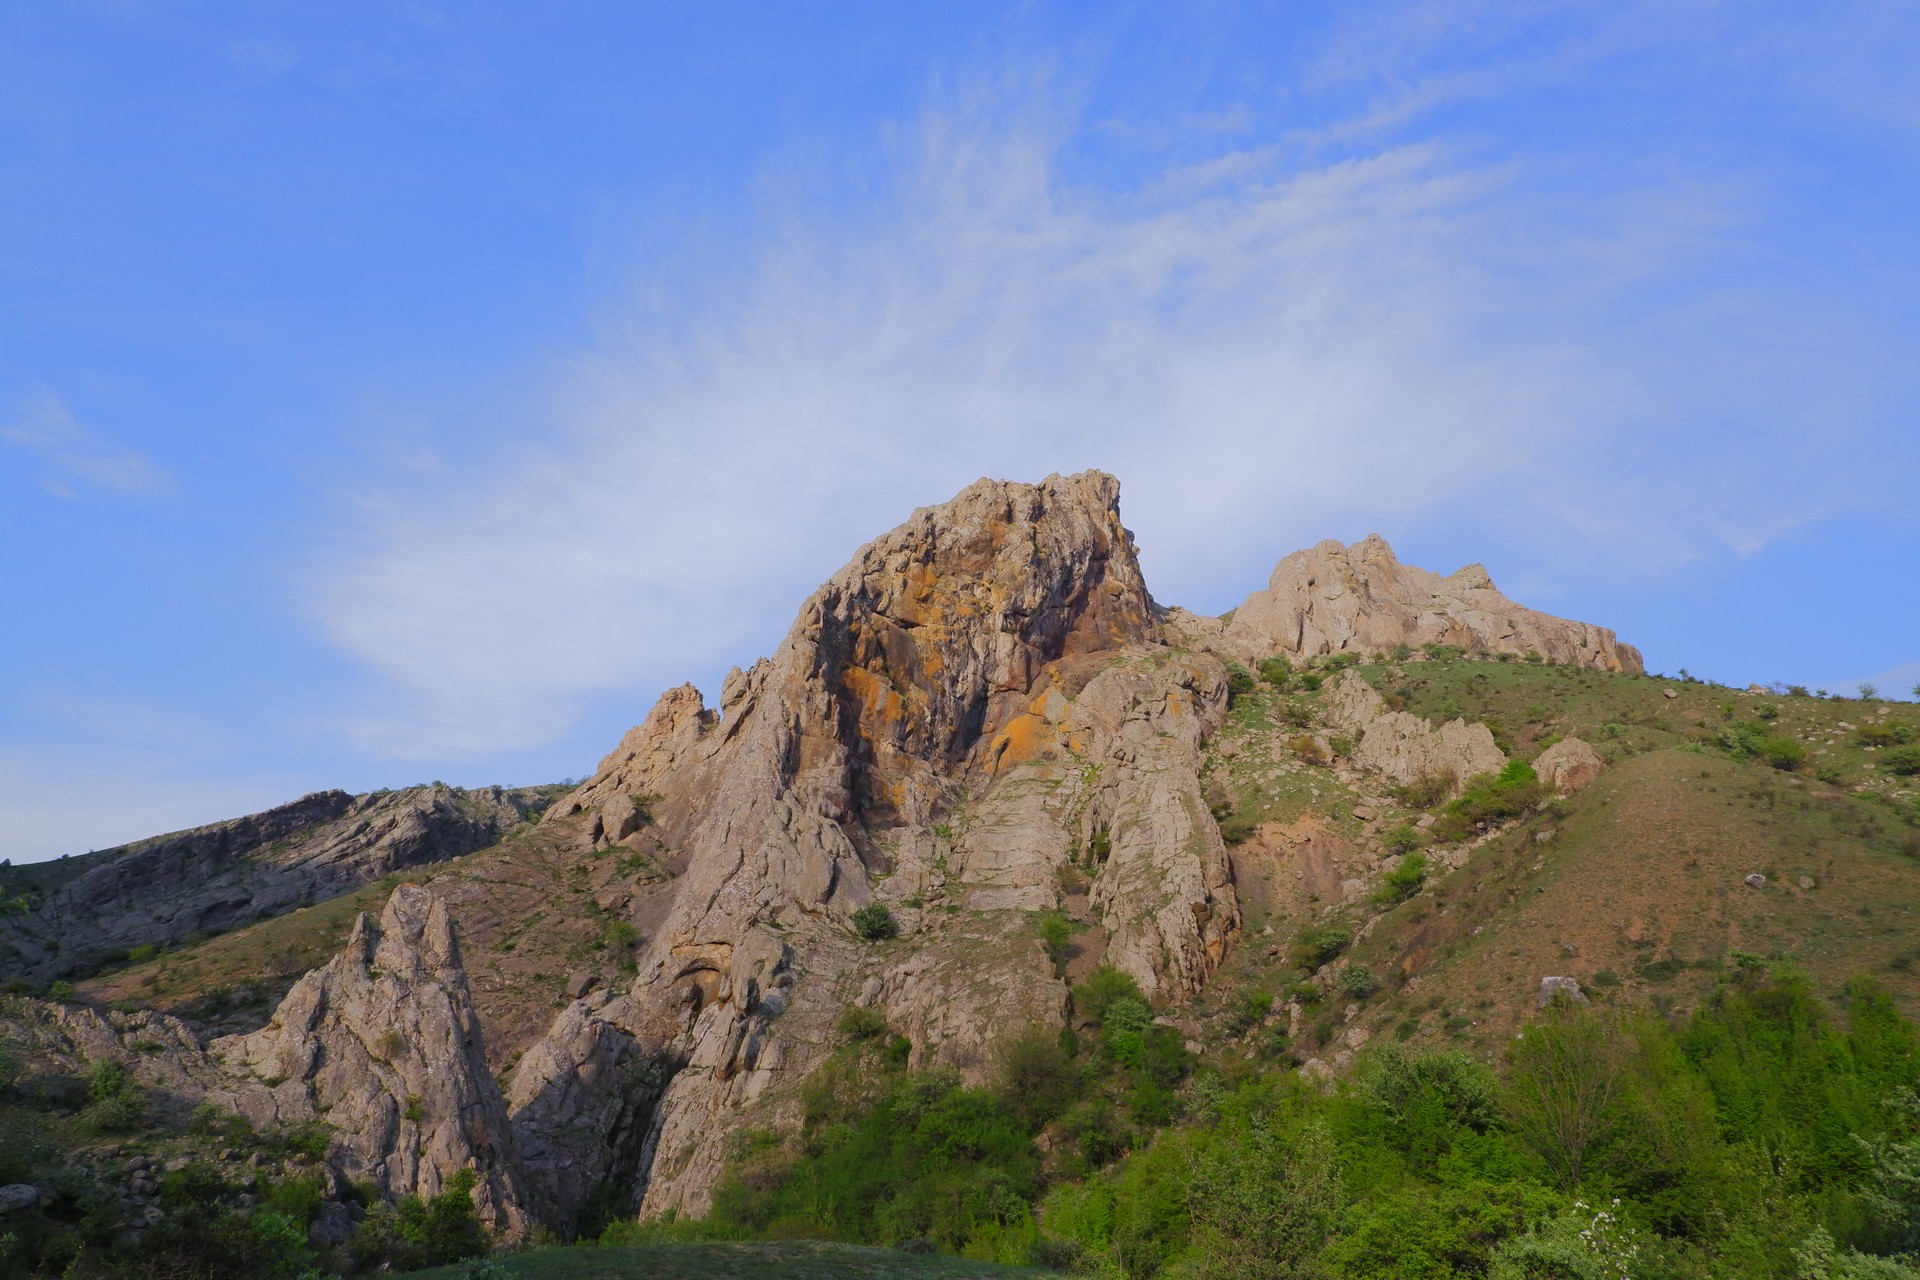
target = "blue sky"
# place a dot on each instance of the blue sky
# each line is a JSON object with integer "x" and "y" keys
{"x": 391, "y": 393}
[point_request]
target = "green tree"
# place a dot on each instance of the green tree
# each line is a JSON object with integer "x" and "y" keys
{"x": 1263, "y": 1204}
{"x": 1056, "y": 936}
{"x": 1566, "y": 1075}
{"x": 1035, "y": 1075}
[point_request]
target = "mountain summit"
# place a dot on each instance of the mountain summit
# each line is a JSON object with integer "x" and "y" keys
{"x": 1361, "y": 599}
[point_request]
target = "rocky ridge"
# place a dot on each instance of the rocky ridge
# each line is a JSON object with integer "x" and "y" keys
{"x": 381, "y": 1043}
{"x": 210, "y": 879}
{"x": 1404, "y": 747}
{"x": 1332, "y": 598}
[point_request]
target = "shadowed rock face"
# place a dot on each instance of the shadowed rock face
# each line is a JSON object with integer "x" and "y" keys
{"x": 1345, "y": 599}
{"x": 214, "y": 878}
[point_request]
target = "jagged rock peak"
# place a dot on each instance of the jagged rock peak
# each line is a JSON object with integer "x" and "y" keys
{"x": 383, "y": 1042}
{"x": 902, "y": 667}
{"x": 1333, "y": 598}
{"x": 970, "y": 659}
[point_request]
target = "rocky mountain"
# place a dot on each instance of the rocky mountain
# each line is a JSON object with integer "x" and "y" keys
{"x": 1360, "y": 599}
{"x": 983, "y": 762}
{"x": 161, "y": 891}
{"x": 974, "y": 702}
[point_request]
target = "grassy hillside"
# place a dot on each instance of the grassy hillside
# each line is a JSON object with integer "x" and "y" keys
{"x": 1636, "y": 887}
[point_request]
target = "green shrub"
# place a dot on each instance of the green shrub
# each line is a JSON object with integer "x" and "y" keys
{"x": 1318, "y": 944}
{"x": 1489, "y": 798}
{"x": 1252, "y": 1011}
{"x": 1237, "y": 828}
{"x": 141, "y": 953}
{"x": 1745, "y": 740}
{"x": 1426, "y": 791}
{"x": 874, "y": 922}
{"x": 445, "y": 1228}
{"x": 1307, "y": 747}
{"x": 1276, "y": 672}
{"x": 1105, "y": 985}
{"x": 1034, "y": 1074}
{"x": 1404, "y": 880}
{"x": 1403, "y": 837}
{"x": 114, "y": 1102}
{"x": 1240, "y": 682}
{"x": 1356, "y": 981}
{"x": 1783, "y": 753}
{"x": 1099, "y": 847}
{"x": 1056, "y": 936}
{"x": 926, "y": 1157}
{"x": 1904, "y": 761}
{"x": 1883, "y": 735}
{"x": 1264, "y": 1205}
{"x": 861, "y": 1022}
{"x": 60, "y": 989}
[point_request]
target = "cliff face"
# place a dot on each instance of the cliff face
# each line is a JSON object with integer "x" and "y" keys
{"x": 1340, "y": 599}
{"x": 950, "y": 719}
{"x": 217, "y": 877}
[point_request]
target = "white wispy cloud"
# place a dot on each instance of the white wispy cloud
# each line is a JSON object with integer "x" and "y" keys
{"x": 74, "y": 456}
{"x": 1266, "y": 351}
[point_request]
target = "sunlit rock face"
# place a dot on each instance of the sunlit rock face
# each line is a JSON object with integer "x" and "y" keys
{"x": 1332, "y": 598}
{"x": 951, "y": 719}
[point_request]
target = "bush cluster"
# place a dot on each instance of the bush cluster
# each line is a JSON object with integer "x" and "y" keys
{"x": 1490, "y": 798}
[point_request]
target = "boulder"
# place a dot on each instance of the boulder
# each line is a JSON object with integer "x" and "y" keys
{"x": 1556, "y": 986}
{"x": 1567, "y": 765}
{"x": 332, "y": 1225}
{"x": 18, "y": 1195}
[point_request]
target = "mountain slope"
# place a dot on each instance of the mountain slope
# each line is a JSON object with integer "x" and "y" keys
{"x": 984, "y": 762}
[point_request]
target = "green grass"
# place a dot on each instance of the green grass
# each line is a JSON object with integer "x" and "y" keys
{"x": 728, "y": 1260}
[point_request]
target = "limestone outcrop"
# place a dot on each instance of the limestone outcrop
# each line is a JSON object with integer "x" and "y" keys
{"x": 383, "y": 1043}
{"x": 1402, "y": 746}
{"x": 951, "y": 720}
{"x": 1332, "y": 598}
{"x": 982, "y": 717}
{"x": 210, "y": 879}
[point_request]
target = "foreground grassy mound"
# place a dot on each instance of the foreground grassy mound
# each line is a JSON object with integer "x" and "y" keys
{"x": 734, "y": 1260}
